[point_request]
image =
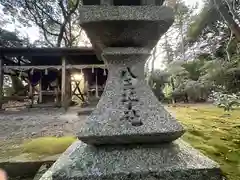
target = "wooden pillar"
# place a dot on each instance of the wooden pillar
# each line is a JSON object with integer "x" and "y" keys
{"x": 56, "y": 89}
{"x": 68, "y": 89}
{"x": 96, "y": 85}
{"x": 40, "y": 91}
{"x": 31, "y": 92}
{"x": 63, "y": 86}
{"x": 1, "y": 83}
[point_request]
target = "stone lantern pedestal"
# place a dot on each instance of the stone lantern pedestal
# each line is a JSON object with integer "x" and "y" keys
{"x": 129, "y": 136}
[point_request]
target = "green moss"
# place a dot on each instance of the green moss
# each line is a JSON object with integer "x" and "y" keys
{"x": 48, "y": 145}
{"x": 214, "y": 133}
{"x": 9, "y": 150}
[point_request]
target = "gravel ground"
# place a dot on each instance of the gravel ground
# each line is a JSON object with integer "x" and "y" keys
{"x": 18, "y": 125}
{"x": 26, "y": 124}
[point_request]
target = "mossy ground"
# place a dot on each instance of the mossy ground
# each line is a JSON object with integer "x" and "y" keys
{"x": 47, "y": 145}
{"x": 35, "y": 149}
{"x": 211, "y": 130}
{"x": 214, "y": 132}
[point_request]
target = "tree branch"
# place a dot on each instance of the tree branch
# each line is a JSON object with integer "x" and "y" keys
{"x": 50, "y": 17}
{"x": 66, "y": 39}
{"x": 66, "y": 20}
{"x": 40, "y": 24}
{"x": 60, "y": 2}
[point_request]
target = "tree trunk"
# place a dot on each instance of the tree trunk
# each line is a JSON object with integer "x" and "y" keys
{"x": 173, "y": 88}
{"x": 228, "y": 17}
{"x": 167, "y": 49}
{"x": 182, "y": 40}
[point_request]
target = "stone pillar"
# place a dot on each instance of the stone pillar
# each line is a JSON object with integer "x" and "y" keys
{"x": 132, "y": 102}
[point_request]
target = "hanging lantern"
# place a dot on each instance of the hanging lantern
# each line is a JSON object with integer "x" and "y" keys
{"x": 92, "y": 69}
{"x": 32, "y": 71}
{"x": 46, "y": 72}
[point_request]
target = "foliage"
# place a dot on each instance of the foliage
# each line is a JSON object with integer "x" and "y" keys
{"x": 9, "y": 39}
{"x": 168, "y": 91}
{"x": 214, "y": 133}
{"x": 158, "y": 80}
{"x": 12, "y": 84}
{"x": 226, "y": 101}
{"x": 203, "y": 60}
{"x": 193, "y": 80}
{"x": 187, "y": 83}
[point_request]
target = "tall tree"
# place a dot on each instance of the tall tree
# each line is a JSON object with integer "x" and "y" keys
{"x": 177, "y": 33}
{"x": 217, "y": 22}
{"x": 217, "y": 10}
{"x": 56, "y": 19}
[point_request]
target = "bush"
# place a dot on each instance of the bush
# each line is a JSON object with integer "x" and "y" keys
{"x": 226, "y": 101}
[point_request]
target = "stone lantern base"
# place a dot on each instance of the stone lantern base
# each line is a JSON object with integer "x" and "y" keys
{"x": 174, "y": 161}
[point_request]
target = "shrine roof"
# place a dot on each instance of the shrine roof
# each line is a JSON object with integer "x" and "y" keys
{"x": 48, "y": 56}
{"x": 23, "y": 51}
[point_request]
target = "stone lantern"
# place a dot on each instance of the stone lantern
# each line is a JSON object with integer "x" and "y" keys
{"x": 129, "y": 135}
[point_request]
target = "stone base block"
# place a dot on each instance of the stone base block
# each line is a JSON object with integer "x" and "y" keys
{"x": 174, "y": 161}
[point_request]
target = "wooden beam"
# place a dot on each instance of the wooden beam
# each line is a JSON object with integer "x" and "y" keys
{"x": 14, "y": 98}
{"x": 63, "y": 88}
{"x": 24, "y": 51}
{"x": 55, "y": 67}
{"x": 1, "y": 83}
